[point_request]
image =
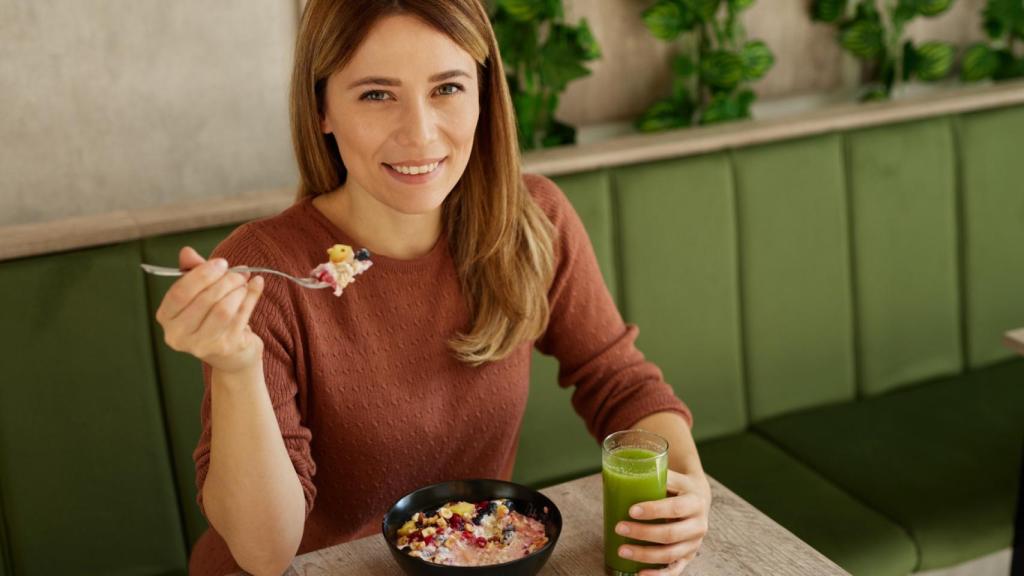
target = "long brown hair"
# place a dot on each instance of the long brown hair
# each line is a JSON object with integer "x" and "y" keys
{"x": 500, "y": 240}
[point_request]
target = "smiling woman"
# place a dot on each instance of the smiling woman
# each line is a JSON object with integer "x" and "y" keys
{"x": 403, "y": 123}
{"x": 319, "y": 412}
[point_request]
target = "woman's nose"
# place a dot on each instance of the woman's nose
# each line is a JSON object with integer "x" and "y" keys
{"x": 418, "y": 125}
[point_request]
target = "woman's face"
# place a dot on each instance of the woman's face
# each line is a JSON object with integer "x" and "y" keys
{"x": 404, "y": 112}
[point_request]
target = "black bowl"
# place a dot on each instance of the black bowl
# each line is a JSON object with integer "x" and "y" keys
{"x": 525, "y": 500}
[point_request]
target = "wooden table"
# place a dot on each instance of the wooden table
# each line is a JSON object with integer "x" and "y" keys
{"x": 741, "y": 540}
{"x": 1014, "y": 339}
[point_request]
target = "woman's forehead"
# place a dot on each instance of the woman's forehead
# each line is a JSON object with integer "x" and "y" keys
{"x": 407, "y": 47}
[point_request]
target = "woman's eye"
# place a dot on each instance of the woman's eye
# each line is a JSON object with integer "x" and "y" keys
{"x": 450, "y": 89}
{"x": 376, "y": 95}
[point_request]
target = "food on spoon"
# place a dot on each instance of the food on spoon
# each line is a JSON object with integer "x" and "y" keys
{"x": 343, "y": 266}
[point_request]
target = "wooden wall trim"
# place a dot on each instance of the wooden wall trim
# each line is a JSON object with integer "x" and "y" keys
{"x": 121, "y": 226}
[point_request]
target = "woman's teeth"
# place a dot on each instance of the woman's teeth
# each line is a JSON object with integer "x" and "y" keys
{"x": 413, "y": 170}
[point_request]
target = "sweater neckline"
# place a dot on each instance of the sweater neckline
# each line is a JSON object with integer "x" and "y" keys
{"x": 435, "y": 254}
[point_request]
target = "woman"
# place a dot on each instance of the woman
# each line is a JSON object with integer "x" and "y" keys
{"x": 318, "y": 411}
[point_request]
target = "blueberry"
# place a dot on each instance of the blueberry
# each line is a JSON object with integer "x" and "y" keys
{"x": 363, "y": 254}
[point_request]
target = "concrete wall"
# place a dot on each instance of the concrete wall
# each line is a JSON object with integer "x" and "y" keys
{"x": 116, "y": 104}
{"x": 123, "y": 104}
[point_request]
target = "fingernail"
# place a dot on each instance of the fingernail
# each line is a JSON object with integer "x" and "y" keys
{"x": 622, "y": 528}
{"x": 636, "y": 511}
{"x": 220, "y": 263}
{"x": 625, "y": 552}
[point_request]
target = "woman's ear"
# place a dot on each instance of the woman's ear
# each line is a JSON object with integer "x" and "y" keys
{"x": 325, "y": 124}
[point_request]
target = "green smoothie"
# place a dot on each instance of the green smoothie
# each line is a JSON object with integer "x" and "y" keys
{"x": 630, "y": 475}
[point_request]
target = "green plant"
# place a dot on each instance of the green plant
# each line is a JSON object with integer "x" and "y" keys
{"x": 1004, "y": 24}
{"x": 710, "y": 83}
{"x": 542, "y": 54}
{"x": 876, "y": 36}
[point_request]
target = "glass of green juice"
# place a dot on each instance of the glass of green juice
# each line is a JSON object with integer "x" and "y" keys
{"x": 634, "y": 468}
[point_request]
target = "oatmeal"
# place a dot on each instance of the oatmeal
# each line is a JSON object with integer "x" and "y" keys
{"x": 342, "y": 267}
{"x": 465, "y": 534}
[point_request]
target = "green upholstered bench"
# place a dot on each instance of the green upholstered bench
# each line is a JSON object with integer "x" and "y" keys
{"x": 831, "y": 308}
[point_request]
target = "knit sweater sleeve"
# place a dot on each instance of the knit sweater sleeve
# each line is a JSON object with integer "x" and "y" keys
{"x": 273, "y": 321}
{"x": 615, "y": 386}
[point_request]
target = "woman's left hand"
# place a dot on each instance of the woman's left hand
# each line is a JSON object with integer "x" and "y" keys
{"x": 685, "y": 513}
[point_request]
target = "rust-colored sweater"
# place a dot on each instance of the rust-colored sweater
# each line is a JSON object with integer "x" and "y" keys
{"x": 370, "y": 400}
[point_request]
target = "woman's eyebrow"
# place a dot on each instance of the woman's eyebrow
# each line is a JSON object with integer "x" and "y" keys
{"x": 396, "y": 82}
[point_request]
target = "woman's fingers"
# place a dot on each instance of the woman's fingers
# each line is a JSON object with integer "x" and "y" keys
{"x": 253, "y": 292}
{"x": 188, "y": 258}
{"x": 693, "y": 527}
{"x": 189, "y": 320}
{"x": 674, "y": 507}
{"x": 219, "y": 319}
{"x": 674, "y": 569}
{"x": 186, "y": 288}
{"x": 679, "y": 483}
{"x": 659, "y": 554}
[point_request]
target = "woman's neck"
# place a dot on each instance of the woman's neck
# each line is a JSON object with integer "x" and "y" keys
{"x": 378, "y": 228}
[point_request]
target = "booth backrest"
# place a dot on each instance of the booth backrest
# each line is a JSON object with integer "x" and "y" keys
{"x": 765, "y": 280}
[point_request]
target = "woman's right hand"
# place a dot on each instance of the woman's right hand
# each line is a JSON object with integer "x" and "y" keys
{"x": 206, "y": 314}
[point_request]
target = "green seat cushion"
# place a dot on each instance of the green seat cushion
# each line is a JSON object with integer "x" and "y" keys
{"x": 795, "y": 270}
{"x": 181, "y": 375}
{"x": 554, "y": 444}
{"x": 854, "y": 536}
{"x": 85, "y": 470}
{"x": 993, "y": 229}
{"x": 941, "y": 459}
{"x": 902, "y": 186}
{"x": 5, "y": 567}
{"x": 677, "y": 236}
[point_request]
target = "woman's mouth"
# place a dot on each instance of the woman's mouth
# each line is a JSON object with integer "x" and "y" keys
{"x": 415, "y": 173}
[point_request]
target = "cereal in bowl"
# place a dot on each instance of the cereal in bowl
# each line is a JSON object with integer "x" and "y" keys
{"x": 465, "y": 534}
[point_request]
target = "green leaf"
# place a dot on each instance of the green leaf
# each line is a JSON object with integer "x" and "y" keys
{"x": 829, "y": 10}
{"x": 874, "y": 94}
{"x": 705, "y": 10}
{"x": 681, "y": 89}
{"x": 666, "y": 20}
{"x": 904, "y": 12}
{"x": 740, "y": 5}
{"x": 588, "y": 46}
{"x": 724, "y": 107}
{"x": 934, "y": 60}
{"x": 525, "y": 10}
{"x": 560, "y": 59}
{"x": 558, "y": 134}
{"x": 528, "y": 107}
{"x": 683, "y": 66}
{"x": 979, "y": 62}
{"x": 744, "y": 100}
{"x": 1003, "y": 16}
{"x": 757, "y": 59}
{"x": 867, "y": 10}
{"x": 664, "y": 115}
{"x": 931, "y": 8}
{"x": 864, "y": 39}
{"x": 721, "y": 69}
{"x": 517, "y": 41}
{"x": 910, "y": 60}
{"x": 1009, "y": 66}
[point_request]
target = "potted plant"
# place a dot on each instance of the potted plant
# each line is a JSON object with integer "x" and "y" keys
{"x": 710, "y": 81}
